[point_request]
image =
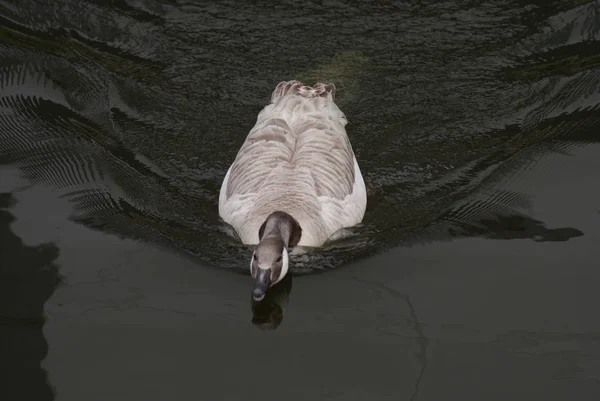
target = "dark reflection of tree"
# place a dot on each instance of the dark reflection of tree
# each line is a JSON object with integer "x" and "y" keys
{"x": 498, "y": 221}
{"x": 516, "y": 227}
{"x": 28, "y": 277}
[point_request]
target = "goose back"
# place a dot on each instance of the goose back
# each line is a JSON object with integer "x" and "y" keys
{"x": 297, "y": 159}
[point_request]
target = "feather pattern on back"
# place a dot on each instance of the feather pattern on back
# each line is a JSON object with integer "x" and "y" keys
{"x": 296, "y": 159}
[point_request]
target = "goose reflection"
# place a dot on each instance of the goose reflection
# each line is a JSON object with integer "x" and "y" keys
{"x": 267, "y": 314}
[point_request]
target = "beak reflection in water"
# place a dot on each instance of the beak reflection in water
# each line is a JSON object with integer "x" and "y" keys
{"x": 267, "y": 314}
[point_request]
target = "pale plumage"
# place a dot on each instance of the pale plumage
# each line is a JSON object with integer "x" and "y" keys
{"x": 296, "y": 159}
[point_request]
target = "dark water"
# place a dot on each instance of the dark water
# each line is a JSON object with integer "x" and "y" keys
{"x": 471, "y": 120}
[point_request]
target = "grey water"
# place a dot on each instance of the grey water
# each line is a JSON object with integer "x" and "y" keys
{"x": 474, "y": 275}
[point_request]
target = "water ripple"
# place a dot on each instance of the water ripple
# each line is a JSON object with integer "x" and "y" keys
{"x": 133, "y": 112}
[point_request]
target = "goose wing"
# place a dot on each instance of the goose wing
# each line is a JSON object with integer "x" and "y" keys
{"x": 304, "y": 128}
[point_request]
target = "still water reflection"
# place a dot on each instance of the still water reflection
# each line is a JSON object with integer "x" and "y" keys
{"x": 28, "y": 277}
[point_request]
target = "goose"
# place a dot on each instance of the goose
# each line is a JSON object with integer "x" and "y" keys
{"x": 295, "y": 180}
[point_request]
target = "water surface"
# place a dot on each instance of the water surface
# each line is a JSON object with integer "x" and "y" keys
{"x": 474, "y": 123}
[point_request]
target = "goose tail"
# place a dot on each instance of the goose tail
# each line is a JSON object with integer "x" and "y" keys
{"x": 298, "y": 88}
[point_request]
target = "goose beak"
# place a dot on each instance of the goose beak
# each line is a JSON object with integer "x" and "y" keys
{"x": 261, "y": 283}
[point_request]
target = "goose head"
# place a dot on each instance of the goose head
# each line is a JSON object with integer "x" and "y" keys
{"x": 270, "y": 259}
{"x": 270, "y": 264}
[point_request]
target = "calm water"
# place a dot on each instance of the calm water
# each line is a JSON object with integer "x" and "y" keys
{"x": 473, "y": 122}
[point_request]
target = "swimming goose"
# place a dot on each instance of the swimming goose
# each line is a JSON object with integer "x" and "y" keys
{"x": 295, "y": 180}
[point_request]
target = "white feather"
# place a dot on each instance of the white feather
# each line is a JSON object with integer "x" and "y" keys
{"x": 296, "y": 159}
{"x": 284, "y": 266}
{"x": 251, "y": 260}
